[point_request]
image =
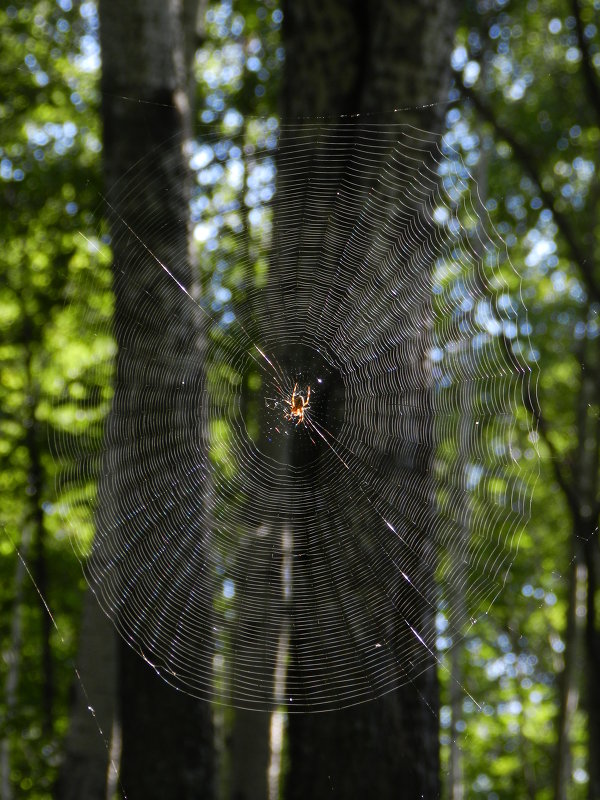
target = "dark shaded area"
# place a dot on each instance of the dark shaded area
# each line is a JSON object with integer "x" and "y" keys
{"x": 167, "y": 736}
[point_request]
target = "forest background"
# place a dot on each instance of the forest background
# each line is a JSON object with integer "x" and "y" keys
{"x": 524, "y": 111}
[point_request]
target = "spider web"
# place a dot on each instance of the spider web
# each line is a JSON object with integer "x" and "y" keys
{"x": 268, "y": 559}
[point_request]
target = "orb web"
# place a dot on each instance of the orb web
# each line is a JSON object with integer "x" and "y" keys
{"x": 312, "y": 453}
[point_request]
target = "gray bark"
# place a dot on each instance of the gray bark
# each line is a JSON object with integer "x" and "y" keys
{"x": 166, "y": 735}
{"x": 86, "y": 763}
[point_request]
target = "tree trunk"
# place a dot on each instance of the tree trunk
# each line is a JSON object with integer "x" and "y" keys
{"x": 147, "y": 50}
{"x": 345, "y": 58}
{"x": 467, "y": 446}
{"x": 249, "y": 755}
{"x": 592, "y": 644}
{"x": 586, "y": 530}
{"x": 569, "y": 688}
{"x": 167, "y": 737}
{"x": 34, "y": 491}
{"x": 248, "y": 739}
{"x": 12, "y": 659}
{"x": 86, "y": 761}
{"x": 583, "y": 581}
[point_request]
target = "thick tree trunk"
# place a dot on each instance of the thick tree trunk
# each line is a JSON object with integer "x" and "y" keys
{"x": 166, "y": 735}
{"x": 386, "y": 748}
{"x": 357, "y": 57}
{"x": 344, "y": 58}
{"x": 40, "y": 572}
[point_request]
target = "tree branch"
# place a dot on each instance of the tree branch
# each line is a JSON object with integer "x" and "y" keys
{"x": 532, "y": 405}
{"x": 559, "y": 474}
{"x": 527, "y": 160}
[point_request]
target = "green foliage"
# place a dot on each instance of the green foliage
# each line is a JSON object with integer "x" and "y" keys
{"x": 49, "y": 178}
{"x": 536, "y": 129}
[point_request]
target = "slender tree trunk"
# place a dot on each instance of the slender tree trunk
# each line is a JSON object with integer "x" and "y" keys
{"x": 40, "y": 571}
{"x": 586, "y": 532}
{"x": 344, "y": 58}
{"x": 468, "y": 435}
{"x": 581, "y": 633}
{"x": 34, "y": 492}
{"x": 570, "y": 678}
{"x": 581, "y": 497}
{"x": 455, "y": 769}
{"x": 592, "y": 644}
{"x": 86, "y": 761}
{"x": 13, "y": 663}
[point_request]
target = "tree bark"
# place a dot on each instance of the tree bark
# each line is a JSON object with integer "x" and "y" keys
{"x": 167, "y": 750}
{"x": 249, "y": 755}
{"x": 13, "y": 666}
{"x": 569, "y": 689}
{"x": 582, "y": 634}
{"x": 34, "y": 491}
{"x": 585, "y": 531}
{"x": 346, "y": 58}
{"x": 376, "y": 57}
{"x": 86, "y": 763}
{"x": 166, "y": 735}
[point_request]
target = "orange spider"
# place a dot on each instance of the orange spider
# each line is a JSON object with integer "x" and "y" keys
{"x": 298, "y": 405}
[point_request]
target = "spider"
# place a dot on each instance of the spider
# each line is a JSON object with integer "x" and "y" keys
{"x": 298, "y": 405}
